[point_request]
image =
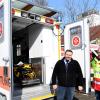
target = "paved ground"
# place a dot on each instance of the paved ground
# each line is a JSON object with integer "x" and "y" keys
{"x": 81, "y": 96}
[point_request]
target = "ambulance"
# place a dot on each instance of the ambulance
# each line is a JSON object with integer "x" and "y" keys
{"x": 77, "y": 38}
{"x": 29, "y": 49}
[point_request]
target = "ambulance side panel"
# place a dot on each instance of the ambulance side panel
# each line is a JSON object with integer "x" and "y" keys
{"x": 5, "y": 53}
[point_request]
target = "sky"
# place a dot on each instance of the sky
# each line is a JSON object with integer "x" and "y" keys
{"x": 60, "y": 5}
{"x": 56, "y": 4}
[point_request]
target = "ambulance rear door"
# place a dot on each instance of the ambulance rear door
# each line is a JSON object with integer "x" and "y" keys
{"x": 76, "y": 37}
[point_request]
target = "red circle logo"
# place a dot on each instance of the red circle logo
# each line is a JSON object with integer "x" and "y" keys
{"x": 75, "y": 40}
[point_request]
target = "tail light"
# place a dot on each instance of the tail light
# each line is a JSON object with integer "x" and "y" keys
{"x": 50, "y": 21}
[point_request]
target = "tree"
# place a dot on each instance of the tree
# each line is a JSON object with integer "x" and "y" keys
{"x": 76, "y": 7}
{"x": 41, "y": 2}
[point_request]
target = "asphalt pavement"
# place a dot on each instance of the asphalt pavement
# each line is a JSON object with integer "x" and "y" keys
{"x": 80, "y": 96}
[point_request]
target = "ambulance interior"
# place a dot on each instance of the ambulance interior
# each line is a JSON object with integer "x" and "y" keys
{"x": 27, "y": 70}
{"x": 27, "y": 46}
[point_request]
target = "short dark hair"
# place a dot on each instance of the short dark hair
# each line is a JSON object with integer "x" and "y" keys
{"x": 69, "y": 50}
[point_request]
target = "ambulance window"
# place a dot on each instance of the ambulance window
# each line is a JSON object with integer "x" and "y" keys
{"x": 75, "y": 30}
{"x": 18, "y": 50}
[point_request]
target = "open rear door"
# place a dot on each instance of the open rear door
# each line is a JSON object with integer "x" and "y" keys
{"x": 5, "y": 50}
{"x": 76, "y": 37}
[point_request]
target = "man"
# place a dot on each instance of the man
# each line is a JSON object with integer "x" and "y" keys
{"x": 66, "y": 74}
{"x": 96, "y": 79}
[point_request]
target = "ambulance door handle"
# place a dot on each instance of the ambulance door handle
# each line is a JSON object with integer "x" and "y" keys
{"x": 52, "y": 68}
{"x": 83, "y": 46}
{"x": 5, "y": 59}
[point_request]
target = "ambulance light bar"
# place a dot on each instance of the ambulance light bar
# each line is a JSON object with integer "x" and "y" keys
{"x": 24, "y": 14}
{"x": 35, "y": 17}
{"x": 32, "y": 16}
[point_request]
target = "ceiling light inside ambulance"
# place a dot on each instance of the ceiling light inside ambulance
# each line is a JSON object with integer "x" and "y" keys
{"x": 50, "y": 21}
{"x": 16, "y": 12}
{"x": 24, "y": 14}
{"x": 37, "y": 17}
{"x": 32, "y": 16}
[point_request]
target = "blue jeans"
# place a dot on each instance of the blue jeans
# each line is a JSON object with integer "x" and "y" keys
{"x": 65, "y": 92}
{"x": 97, "y": 94}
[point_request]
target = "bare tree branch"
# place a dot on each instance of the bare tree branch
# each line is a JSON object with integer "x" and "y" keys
{"x": 70, "y": 10}
{"x": 41, "y": 2}
{"x": 76, "y": 7}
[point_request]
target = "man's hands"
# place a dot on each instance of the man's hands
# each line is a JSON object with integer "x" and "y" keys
{"x": 54, "y": 87}
{"x": 80, "y": 88}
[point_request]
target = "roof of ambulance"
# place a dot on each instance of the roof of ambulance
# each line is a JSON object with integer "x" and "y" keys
{"x": 31, "y": 7}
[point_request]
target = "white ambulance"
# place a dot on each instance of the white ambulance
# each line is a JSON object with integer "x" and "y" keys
{"x": 29, "y": 49}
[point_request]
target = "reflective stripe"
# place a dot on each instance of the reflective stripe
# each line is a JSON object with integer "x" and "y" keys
{"x": 97, "y": 72}
{"x": 96, "y": 79}
{"x": 96, "y": 86}
{"x": 96, "y": 82}
{"x": 43, "y": 97}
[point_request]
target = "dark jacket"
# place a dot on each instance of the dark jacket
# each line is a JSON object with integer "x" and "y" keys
{"x": 67, "y": 77}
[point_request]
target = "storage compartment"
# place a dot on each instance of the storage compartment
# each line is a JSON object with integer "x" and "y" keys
{"x": 33, "y": 56}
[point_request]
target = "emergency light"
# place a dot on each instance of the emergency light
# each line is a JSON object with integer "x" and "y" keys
{"x": 49, "y": 20}
{"x": 35, "y": 17}
{"x": 13, "y": 11}
{"x": 24, "y": 14}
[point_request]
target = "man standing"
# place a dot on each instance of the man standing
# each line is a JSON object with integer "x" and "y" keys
{"x": 66, "y": 74}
